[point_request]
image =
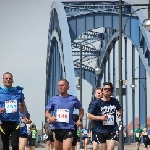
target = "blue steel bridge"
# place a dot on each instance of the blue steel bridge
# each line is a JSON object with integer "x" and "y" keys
{"x": 95, "y": 25}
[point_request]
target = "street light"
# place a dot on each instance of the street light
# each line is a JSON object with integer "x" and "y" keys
{"x": 121, "y": 143}
{"x": 98, "y": 70}
{"x": 79, "y": 86}
{"x": 146, "y": 24}
{"x": 133, "y": 85}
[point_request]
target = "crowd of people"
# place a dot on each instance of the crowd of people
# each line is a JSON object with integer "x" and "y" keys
{"x": 64, "y": 123}
{"x": 63, "y": 129}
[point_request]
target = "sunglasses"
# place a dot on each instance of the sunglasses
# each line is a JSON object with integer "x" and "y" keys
{"x": 8, "y": 78}
{"x": 107, "y": 89}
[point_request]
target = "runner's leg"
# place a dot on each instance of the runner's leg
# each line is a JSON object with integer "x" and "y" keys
{"x": 22, "y": 143}
{"x": 15, "y": 137}
{"x": 5, "y": 133}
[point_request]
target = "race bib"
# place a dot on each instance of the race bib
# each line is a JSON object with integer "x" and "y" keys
{"x": 33, "y": 135}
{"x": 137, "y": 135}
{"x": 62, "y": 115}
{"x": 85, "y": 132}
{"x": 22, "y": 124}
{"x": 109, "y": 121}
{"x": 11, "y": 106}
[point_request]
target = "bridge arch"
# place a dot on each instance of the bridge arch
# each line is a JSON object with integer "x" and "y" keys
{"x": 68, "y": 22}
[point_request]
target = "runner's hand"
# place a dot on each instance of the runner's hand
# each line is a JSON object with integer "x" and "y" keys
{"x": 1, "y": 110}
{"x": 118, "y": 114}
{"x": 104, "y": 117}
{"x": 26, "y": 120}
{"x": 79, "y": 123}
{"x": 52, "y": 119}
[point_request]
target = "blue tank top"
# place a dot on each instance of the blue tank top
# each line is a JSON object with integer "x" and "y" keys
{"x": 62, "y": 108}
{"x": 9, "y": 100}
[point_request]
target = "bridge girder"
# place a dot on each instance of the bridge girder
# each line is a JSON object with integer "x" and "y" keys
{"x": 69, "y": 21}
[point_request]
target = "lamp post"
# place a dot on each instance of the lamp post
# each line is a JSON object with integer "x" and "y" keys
{"x": 121, "y": 142}
{"x": 79, "y": 86}
{"x": 146, "y": 24}
{"x": 145, "y": 89}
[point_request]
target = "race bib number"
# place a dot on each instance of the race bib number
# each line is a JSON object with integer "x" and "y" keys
{"x": 11, "y": 106}
{"x": 137, "y": 135}
{"x": 62, "y": 115}
{"x": 109, "y": 121}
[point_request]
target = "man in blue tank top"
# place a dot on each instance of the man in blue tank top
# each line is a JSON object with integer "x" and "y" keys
{"x": 60, "y": 112}
{"x": 103, "y": 111}
{"x": 10, "y": 97}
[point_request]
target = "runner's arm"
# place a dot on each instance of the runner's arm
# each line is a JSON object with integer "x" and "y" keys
{"x": 119, "y": 113}
{"x": 92, "y": 117}
{"x": 49, "y": 108}
{"x": 44, "y": 131}
{"x": 141, "y": 135}
{"x": 24, "y": 108}
{"x": 81, "y": 113}
{"x": 48, "y": 114}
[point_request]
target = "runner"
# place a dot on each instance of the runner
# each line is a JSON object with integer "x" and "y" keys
{"x": 124, "y": 134}
{"x": 84, "y": 133}
{"x": 137, "y": 133}
{"x": 38, "y": 139}
{"x": 98, "y": 94}
{"x": 33, "y": 137}
{"x": 104, "y": 111}
{"x": 9, "y": 112}
{"x": 78, "y": 140}
{"x": 144, "y": 134}
{"x": 148, "y": 136}
{"x": 62, "y": 107}
{"x": 76, "y": 135}
{"x": 49, "y": 135}
{"x": 29, "y": 136}
{"x": 23, "y": 130}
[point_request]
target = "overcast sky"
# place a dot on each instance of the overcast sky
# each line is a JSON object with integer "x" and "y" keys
{"x": 23, "y": 47}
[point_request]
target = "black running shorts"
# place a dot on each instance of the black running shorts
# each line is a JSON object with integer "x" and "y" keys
{"x": 102, "y": 137}
{"x": 63, "y": 134}
{"x": 50, "y": 138}
{"x": 75, "y": 139}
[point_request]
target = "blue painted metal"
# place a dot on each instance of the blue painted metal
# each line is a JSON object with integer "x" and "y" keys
{"x": 59, "y": 30}
{"x": 71, "y": 20}
{"x": 126, "y": 98}
{"x": 114, "y": 69}
{"x": 76, "y": 8}
{"x": 109, "y": 76}
{"x": 142, "y": 98}
{"x": 133, "y": 90}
